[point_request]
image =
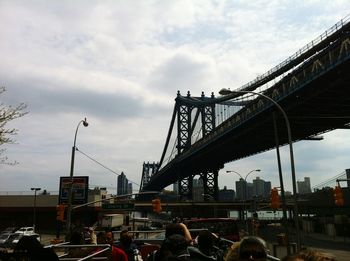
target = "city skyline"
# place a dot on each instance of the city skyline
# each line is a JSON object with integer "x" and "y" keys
{"x": 122, "y": 70}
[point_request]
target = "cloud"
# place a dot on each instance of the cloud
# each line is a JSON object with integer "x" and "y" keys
{"x": 120, "y": 64}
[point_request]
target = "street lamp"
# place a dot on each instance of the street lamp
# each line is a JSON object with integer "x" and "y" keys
{"x": 230, "y": 94}
{"x": 70, "y": 196}
{"x": 245, "y": 191}
{"x": 34, "y": 206}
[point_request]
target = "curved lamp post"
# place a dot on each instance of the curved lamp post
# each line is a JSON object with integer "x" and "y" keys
{"x": 245, "y": 216}
{"x": 231, "y": 94}
{"x": 70, "y": 196}
{"x": 34, "y": 206}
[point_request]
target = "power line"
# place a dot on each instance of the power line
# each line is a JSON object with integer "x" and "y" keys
{"x": 103, "y": 165}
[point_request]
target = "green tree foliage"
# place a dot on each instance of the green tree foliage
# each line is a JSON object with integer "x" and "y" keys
{"x": 7, "y": 114}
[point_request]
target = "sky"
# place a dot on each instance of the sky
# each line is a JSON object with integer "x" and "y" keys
{"x": 120, "y": 65}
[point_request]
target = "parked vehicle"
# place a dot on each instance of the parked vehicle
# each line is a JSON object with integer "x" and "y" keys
{"x": 9, "y": 230}
{"x": 15, "y": 237}
{"x": 4, "y": 237}
{"x": 37, "y": 236}
{"x": 26, "y": 230}
{"x": 12, "y": 240}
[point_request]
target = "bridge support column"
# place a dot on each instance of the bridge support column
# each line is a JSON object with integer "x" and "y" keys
{"x": 186, "y": 187}
{"x": 210, "y": 184}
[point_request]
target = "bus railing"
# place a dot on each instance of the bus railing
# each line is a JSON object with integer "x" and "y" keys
{"x": 148, "y": 237}
{"x": 66, "y": 252}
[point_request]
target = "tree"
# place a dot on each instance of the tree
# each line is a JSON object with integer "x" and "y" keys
{"x": 8, "y": 113}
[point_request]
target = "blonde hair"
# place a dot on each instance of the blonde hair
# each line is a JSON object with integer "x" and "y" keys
{"x": 311, "y": 255}
{"x": 232, "y": 253}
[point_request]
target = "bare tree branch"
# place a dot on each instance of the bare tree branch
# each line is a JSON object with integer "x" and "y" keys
{"x": 7, "y": 114}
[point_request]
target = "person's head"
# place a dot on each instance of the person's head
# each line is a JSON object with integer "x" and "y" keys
{"x": 76, "y": 238}
{"x": 28, "y": 244}
{"x": 123, "y": 232}
{"x": 174, "y": 228}
{"x": 175, "y": 245}
{"x": 102, "y": 238}
{"x": 252, "y": 248}
{"x": 109, "y": 237}
{"x": 232, "y": 253}
{"x": 126, "y": 240}
{"x": 27, "y": 248}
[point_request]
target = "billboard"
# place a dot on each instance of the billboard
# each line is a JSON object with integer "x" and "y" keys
{"x": 80, "y": 190}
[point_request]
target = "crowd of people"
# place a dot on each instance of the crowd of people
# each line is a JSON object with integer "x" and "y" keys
{"x": 177, "y": 245}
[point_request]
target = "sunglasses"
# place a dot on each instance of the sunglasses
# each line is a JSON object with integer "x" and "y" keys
{"x": 253, "y": 254}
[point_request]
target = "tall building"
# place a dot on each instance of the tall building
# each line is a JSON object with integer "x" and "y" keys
{"x": 267, "y": 189}
{"x": 122, "y": 184}
{"x": 258, "y": 187}
{"x": 304, "y": 186}
{"x": 261, "y": 188}
{"x": 129, "y": 188}
{"x": 176, "y": 187}
{"x": 240, "y": 189}
{"x": 244, "y": 190}
{"x": 197, "y": 190}
{"x": 249, "y": 191}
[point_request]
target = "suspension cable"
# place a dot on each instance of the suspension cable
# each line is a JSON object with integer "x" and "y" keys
{"x": 103, "y": 165}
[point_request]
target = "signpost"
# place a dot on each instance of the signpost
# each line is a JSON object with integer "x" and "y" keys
{"x": 80, "y": 189}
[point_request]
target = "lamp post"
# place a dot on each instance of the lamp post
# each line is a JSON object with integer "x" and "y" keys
{"x": 70, "y": 196}
{"x": 230, "y": 95}
{"x": 34, "y": 206}
{"x": 245, "y": 191}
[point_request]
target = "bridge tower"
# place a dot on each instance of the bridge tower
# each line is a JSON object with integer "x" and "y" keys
{"x": 184, "y": 133}
{"x": 185, "y": 110}
{"x": 148, "y": 170}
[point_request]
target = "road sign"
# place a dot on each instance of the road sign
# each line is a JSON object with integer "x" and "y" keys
{"x": 119, "y": 206}
{"x": 79, "y": 191}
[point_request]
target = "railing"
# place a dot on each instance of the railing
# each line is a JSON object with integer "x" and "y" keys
{"x": 301, "y": 51}
{"x": 68, "y": 252}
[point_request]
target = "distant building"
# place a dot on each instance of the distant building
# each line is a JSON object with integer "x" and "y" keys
{"x": 261, "y": 188}
{"x": 244, "y": 190}
{"x": 176, "y": 187}
{"x": 240, "y": 189}
{"x": 226, "y": 194}
{"x": 267, "y": 189}
{"x": 249, "y": 191}
{"x": 304, "y": 187}
{"x": 197, "y": 190}
{"x": 288, "y": 193}
{"x": 258, "y": 187}
{"x": 129, "y": 188}
{"x": 122, "y": 184}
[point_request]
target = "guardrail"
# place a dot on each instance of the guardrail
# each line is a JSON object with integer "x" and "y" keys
{"x": 68, "y": 252}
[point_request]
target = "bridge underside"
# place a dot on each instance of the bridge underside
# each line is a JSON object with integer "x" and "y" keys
{"x": 320, "y": 106}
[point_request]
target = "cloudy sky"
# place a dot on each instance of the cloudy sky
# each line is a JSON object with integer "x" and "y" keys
{"x": 121, "y": 63}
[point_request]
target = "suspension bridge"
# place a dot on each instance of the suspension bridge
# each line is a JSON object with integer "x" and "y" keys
{"x": 312, "y": 87}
